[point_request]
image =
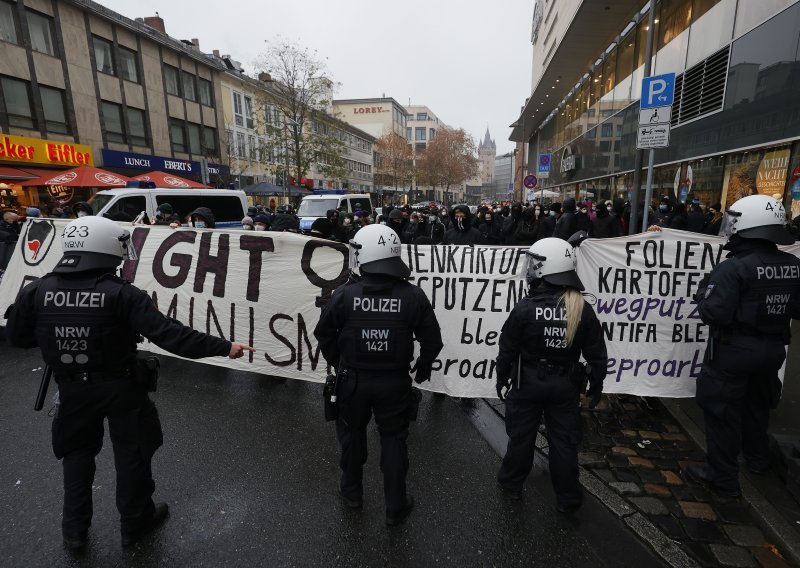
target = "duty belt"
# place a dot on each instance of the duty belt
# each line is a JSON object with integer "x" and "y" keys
{"x": 548, "y": 368}
{"x": 93, "y": 376}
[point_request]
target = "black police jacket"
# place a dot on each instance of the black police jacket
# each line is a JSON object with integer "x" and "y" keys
{"x": 535, "y": 331}
{"x": 755, "y": 291}
{"x": 90, "y": 322}
{"x": 371, "y": 325}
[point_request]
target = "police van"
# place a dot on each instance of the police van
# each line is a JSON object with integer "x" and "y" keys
{"x": 316, "y": 206}
{"x": 228, "y": 205}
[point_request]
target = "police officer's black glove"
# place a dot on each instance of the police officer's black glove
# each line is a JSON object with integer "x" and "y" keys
{"x": 594, "y": 394}
{"x": 423, "y": 372}
{"x": 503, "y": 386}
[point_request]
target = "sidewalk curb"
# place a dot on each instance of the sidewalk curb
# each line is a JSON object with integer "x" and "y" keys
{"x": 768, "y": 518}
{"x": 492, "y": 428}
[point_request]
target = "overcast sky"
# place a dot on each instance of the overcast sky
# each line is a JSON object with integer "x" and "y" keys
{"x": 468, "y": 61}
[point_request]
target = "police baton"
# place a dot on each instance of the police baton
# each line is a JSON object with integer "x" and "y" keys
{"x": 42, "y": 394}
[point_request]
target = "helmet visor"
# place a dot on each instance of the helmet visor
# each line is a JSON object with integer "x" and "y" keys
{"x": 729, "y": 223}
{"x": 128, "y": 250}
{"x": 531, "y": 266}
{"x": 354, "y": 248}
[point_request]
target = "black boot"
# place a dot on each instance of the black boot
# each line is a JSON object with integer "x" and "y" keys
{"x": 75, "y": 543}
{"x": 394, "y": 518}
{"x": 160, "y": 513}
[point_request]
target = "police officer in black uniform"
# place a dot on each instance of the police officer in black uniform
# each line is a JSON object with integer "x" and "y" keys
{"x": 367, "y": 333}
{"x": 748, "y": 300}
{"x": 540, "y": 346}
{"x": 87, "y": 322}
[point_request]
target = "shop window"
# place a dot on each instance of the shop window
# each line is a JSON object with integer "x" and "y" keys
{"x": 112, "y": 118}
{"x": 204, "y": 87}
{"x": 17, "y": 95}
{"x": 54, "y": 107}
{"x": 103, "y": 55}
{"x": 42, "y": 32}
{"x": 128, "y": 68}
{"x": 177, "y": 135}
{"x": 187, "y": 82}
{"x": 171, "y": 84}
{"x": 138, "y": 128}
{"x": 8, "y": 22}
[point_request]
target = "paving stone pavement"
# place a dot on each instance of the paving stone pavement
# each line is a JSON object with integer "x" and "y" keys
{"x": 636, "y": 448}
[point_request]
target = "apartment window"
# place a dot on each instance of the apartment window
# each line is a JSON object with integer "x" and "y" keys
{"x": 210, "y": 140}
{"x": 241, "y": 150}
{"x": 18, "y": 102}
{"x": 189, "y": 92}
{"x": 204, "y": 86}
{"x": 419, "y": 147}
{"x": 8, "y": 23}
{"x": 194, "y": 138}
{"x": 42, "y": 32}
{"x": 408, "y": 133}
{"x": 128, "y": 69}
{"x": 248, "y": 109}
{"x": 607, "y": 130}
{"x": 431, "y": 134}
{"x": 422, "y": 116}
{"x": 138, "y": 129}
{"x": 419, "y": 133}
{"x": 177, "y": 135}
{"x": 112, "y": 117}
{"x": 238, "y": 109}
{"x": 171, "y": 83}
{"x": 54, "y": 106}
{"x": 103, "y": 55}
{"x": 251, "y": 144}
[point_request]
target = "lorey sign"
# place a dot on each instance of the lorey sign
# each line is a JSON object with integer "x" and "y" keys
{"x": 268, "y": 289}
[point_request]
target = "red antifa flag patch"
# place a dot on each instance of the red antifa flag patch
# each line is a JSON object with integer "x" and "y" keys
{"x": 38, "y": 240}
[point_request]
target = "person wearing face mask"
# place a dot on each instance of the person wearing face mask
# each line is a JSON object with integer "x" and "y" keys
{"x": 435, "y": 229}
{"x": 202, "y": 218}
{"x": 397, "y": 222}
{"x": 583, "y": 222}
{"x": 415, "y": 228}
{"x": 9, "y": 227}
{"x": 511, "y": 221}
{"x": 491, "y": 230}
{"x": 662, "y": 215}
{"x": 618, "y": 211}
{"x": 348, "y": 229}
{"x": 82, "y": 209}
{"x": 527, "y": 229}
{"x": 548, "y": 223}
{"x": 696, "y": 218}
{"x": 566, "y": 225}
{"x": 605, "y": 225}
{"x": 261, "y": 222}
{"x": 461, "y": 231}
{"x": 247, "y": 223}
{"x": 715, "y": 219}
{"x": 444, "y": 217}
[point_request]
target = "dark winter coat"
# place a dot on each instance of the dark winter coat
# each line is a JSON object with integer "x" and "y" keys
{"x": 462, "y": 233}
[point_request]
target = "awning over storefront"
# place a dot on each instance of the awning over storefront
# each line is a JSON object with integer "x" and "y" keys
{"x": 162, "y": 179}
{"x": 594, "y": 27}
{"x": 84, "y": 176}
{"x": 7, "y": 174}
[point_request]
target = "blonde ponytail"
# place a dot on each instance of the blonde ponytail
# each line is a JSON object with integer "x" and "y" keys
{"x": 572, "y": 300}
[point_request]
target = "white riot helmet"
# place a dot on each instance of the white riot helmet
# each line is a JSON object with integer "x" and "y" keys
{"x": 375, "y": 249}
{"x": 758, "y": 217}
{"x": 91, "y": 243}
{"x": 552, "y": 260}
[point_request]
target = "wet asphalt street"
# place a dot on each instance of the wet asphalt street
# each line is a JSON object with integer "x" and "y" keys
{"x": 249, "y": 469}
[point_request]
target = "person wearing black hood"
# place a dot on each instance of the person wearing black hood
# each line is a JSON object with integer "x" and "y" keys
{"x": 435, "y": 227}
{"x": 511, "y": 221}
{"x": 527, "y": 229}
{"x": 618, "y": 211}
{"x": 82, "y": 209}
{"x": 696, "y": 219}
{"x": 662, "y": 215}
{"x": 202, "y": 218}
{"x": 547, "y": 224}
{"x": 567, "y": 223}
{"x": 285, "y": 219}
{"x": 605, "y": 225}
{"x": 714, "y": 222}
{"x": 678, "y": 219}
{"x": 582, "y": 220}
{"x": 396, "y": 222}
{"x": 461, "y": 231}
{"x": 490, "y": 229}
{"x": 332, "y": 215}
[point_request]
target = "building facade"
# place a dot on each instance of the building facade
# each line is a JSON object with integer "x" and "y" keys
{"x": 735, "y": 122}
{"x": 503, "y": 186}
{"x": 376, "y": 116}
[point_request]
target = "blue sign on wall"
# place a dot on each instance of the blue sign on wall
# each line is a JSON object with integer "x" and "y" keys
{"x": 658, "y": 91}
{"x": 131, "y": 160}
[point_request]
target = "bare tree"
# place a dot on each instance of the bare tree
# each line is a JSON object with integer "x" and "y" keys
{"x": 294, "y": 109}
{"x": 395, "y": 163}
{"x": 450, "y": 159}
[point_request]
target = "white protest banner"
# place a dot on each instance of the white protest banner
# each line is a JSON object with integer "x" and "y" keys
{"x": 267, "y": 289}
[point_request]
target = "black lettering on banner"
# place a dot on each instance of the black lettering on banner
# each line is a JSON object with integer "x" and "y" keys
{"x": 191, "y": 312}
{"x": 654, "y": 253}
{"x": 257, "y": 246}
{"x": 303, "y": 337}
{"x": 485, "y": 282}
{"x": 439, "y": 257}
{"x": 326, "y": 286}
{"x": 252, "y": 332}
{"x": 467, "y": 251}
{"x": 232, "y": 336}
{"x": 282, "y": 339}
{"x": 179, "y": 260}
{"x": 129, "y": 267}
{"x": 211, "y": 313}
{"x": 451, "y": 259}
{"x": 217, "y": 265}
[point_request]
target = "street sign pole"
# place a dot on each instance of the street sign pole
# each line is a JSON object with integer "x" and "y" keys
{"x": 648, "y": 194}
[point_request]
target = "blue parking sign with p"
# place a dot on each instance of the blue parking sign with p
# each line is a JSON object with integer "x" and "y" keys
{"x": 658, "y": 91}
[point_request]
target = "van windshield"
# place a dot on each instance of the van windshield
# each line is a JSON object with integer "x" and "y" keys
{"x": 98, "y": 201}
{"x": 316, "y": 207}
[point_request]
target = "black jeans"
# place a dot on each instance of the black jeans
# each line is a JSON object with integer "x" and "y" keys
{"x": 388, "y": 396}
{"x": 733, "y": 391}
{"x": 135, "y": 432}
{"x": 557, "y": 399}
